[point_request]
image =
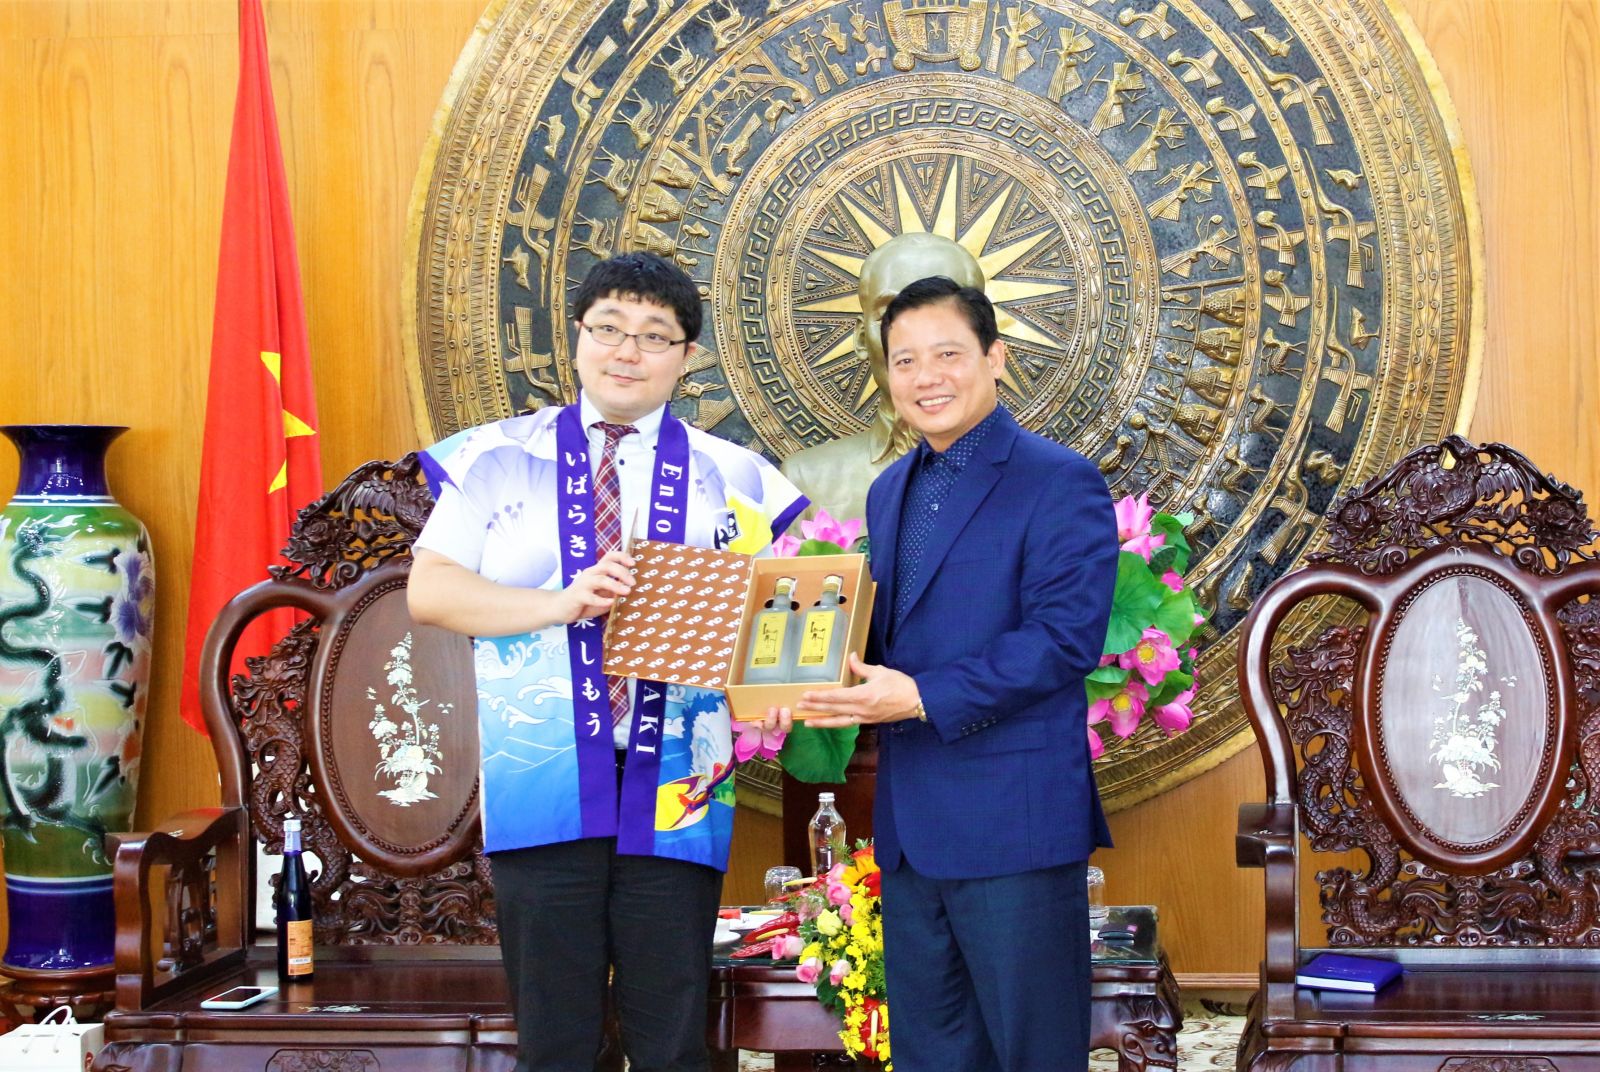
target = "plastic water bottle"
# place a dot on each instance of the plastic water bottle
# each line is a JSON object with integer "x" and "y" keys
{"x": 827, "y": 836}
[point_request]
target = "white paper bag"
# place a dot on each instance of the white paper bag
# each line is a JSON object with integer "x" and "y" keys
{"x": 58, "y": 1043}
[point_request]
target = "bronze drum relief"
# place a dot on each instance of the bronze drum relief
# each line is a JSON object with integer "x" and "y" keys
{"x": 1230, "y": 242}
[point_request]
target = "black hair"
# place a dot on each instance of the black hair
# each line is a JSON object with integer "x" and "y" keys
{"x": 640, "y": 276}
{"x": 971, "y": 302}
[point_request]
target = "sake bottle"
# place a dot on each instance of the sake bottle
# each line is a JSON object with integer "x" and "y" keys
{"x": 823, "y": 632}
{"x": 770, "y": 660}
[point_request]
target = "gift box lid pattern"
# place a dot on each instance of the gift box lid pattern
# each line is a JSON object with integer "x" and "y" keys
{"x": 680, "y": 624}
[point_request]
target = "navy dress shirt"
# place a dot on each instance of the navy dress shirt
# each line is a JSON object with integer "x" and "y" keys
{"x": 934, "y": 473}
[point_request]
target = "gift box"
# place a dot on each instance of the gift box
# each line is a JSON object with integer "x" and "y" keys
{"x": 688, "y": 619}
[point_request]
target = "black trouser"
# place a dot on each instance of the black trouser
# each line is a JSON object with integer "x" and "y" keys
{"x": 569, "y": 914}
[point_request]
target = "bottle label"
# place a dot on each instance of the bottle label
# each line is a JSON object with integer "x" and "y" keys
{"x": 814, "y": 641}
{"x": 767, "y": 649}
{"x": 297, "y": 936}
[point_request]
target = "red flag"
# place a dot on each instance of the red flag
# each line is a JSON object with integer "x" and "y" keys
{"x": 260, "y": 459}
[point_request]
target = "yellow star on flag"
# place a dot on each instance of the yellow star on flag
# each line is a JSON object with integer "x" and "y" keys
{"x": 292, "y": 426}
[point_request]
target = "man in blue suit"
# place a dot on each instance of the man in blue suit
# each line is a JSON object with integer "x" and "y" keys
{"x": 995, "y": 553}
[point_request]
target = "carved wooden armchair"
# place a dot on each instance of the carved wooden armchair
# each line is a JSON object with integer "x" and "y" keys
{"x": 362, "y": 724}
{"x": 1447, "y": 740}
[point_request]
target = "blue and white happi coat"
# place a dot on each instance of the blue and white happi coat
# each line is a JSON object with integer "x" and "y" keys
{"x": 514, "y": 503}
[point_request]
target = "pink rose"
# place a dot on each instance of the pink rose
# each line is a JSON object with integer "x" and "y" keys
{"x": 808, "y": 970}
{"x": 788, "y": 948}
{"x": 838, "y": 893}
{"x": 841, "y": 968}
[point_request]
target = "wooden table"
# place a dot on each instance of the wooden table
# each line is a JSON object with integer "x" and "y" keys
{"x": 1134, "y": 1006}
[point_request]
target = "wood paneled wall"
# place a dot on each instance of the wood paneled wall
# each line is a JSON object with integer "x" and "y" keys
{"x": 112, "y": 158}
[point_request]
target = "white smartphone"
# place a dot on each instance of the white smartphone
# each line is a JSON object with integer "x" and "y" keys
{"x": 240, "y": 997}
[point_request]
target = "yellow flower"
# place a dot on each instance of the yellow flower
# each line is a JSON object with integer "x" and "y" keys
{"x": 829, "y": 923}
{"x": 812, "y": 950}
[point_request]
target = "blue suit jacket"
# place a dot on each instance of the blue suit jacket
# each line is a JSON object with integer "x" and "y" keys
{"x": 1007, "y": 616}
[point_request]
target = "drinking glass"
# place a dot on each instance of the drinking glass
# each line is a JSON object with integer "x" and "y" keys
{"x": 777, "y": 881}
{"x": 1098, "y": 911}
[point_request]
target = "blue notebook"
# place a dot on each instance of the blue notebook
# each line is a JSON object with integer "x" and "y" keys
{"x": 1335, "y": 971}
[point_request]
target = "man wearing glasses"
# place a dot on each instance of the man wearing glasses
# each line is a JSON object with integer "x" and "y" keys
{"x": 607, "y": 803}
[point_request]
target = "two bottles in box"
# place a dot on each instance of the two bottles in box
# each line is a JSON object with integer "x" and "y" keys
{"x": 788, "y": 645}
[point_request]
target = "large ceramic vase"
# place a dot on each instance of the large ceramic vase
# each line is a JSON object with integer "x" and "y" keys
{"x": 76, "y": 600}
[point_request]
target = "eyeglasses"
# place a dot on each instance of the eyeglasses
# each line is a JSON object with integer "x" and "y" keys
{"x": 651, "y": 342}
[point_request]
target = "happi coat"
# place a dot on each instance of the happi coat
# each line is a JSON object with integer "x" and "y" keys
{"x": 514, "y": 502}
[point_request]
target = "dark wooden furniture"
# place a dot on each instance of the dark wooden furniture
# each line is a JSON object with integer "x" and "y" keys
{"x": 1135, "y": 1007}
{"x": 407, "y": 973}
{"x": 1447, "y": 741}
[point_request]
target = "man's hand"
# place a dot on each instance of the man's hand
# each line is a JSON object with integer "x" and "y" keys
{"x": 595, "y": 591}
{"x": 884, "y": 695}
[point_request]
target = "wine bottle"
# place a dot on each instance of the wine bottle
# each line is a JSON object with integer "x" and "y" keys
{"x": 772, "y": 638}
{"x": 292, "y": 899}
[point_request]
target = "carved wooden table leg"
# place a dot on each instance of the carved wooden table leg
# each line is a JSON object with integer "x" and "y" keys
{"x": 1137, "y": 1010}
{"x": 1146, "y": 1043}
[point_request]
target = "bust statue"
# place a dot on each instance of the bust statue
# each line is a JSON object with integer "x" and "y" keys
{"x": 835, "y": 475}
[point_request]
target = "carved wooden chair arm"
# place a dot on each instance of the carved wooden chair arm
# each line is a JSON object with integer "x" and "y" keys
{"x": 1267, "y": 839}
{"x": 203, "y": 925}
{"x": 1265, "y": 831}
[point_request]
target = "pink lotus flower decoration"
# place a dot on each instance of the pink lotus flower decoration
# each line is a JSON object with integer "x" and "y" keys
{"x": 1152, "y": 657}
{"x": 825, "y": 528}
{"x": 1133, "y": 526}
{"x": 1148, "y": 664}
{"x": 831, "y": 530}
{"x": 1123, "y": 710}
{"x": 751, "y": 740}
{"x": 1174, "y": 717}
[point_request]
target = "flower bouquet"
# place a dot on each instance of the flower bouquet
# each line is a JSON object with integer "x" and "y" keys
{"x": 841, "y": 954}
{"x": 1148, "y": 665}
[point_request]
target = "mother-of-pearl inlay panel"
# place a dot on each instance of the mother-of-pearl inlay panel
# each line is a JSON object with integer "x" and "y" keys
{"x": 1463, "y": 684}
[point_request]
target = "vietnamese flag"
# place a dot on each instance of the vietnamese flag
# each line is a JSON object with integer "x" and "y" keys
{"x": 259, "y": 462}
